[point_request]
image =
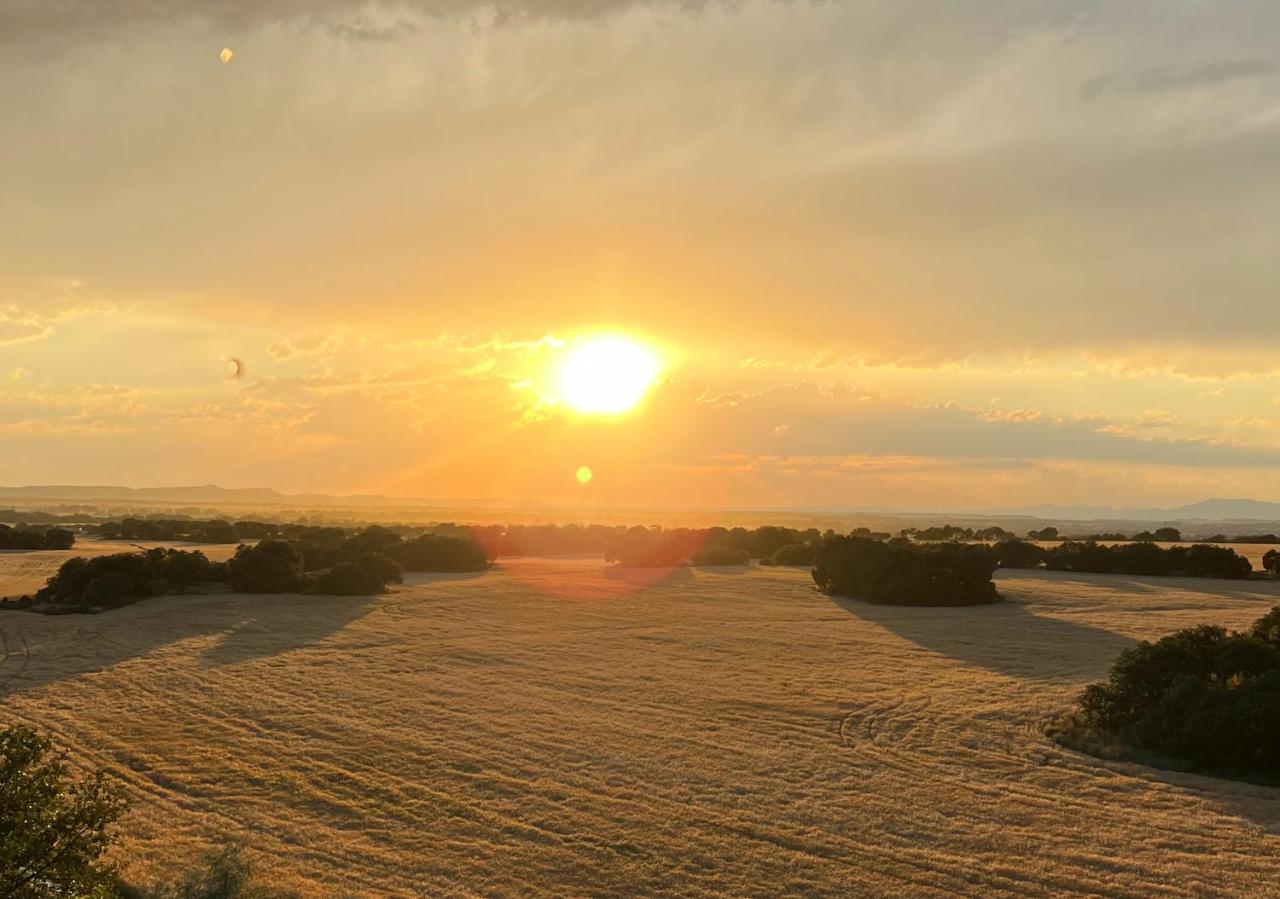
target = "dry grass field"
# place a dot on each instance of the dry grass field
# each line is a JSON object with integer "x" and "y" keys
{"x": 551, "y": 727}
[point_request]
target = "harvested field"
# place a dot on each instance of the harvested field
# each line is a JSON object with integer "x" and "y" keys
{"x": 550, "y": 726}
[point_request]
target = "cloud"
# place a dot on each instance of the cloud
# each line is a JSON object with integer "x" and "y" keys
{"x": 1177, "y": 77}
{"x": 348, "y": 19}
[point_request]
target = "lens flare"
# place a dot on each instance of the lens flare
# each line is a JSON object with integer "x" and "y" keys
{"x": 584, "y": 475}
{"x": 226, "y": 55}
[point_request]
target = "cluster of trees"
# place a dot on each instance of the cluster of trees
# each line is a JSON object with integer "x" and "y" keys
{"x": 1204, "y": 697}
{"x": 108, "y": 582}
{"x": 666, "y": 547}
{"x": 955, "y": 532}
{"x": 797, "y": 554}
{"x": 55, "y": 832}
{"x": 215, "y": 530}
{"x": 1244, "y": 538}
{"x": 1197, "y": 560}
{"x": 26, "y": 537}
{"x": 899, "y": 572}
{"x": 277, "y": 566}
{"x": 328, "y": 561}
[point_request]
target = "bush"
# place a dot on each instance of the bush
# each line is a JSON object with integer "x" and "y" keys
{"x": 222, "y": 873}
{"x": 434, "y": 552}
{"x": 121, "y": 578}
{"x": 271, "y": 566}
{"x": 798, "y": 554}
{"x": 653, "y": 548}
{"x": 370, "y": 575}
{"x": 719, "y": 557}
{"x": 27, "y": 538}
{"x": 1202, "y": 696}
{"x": 53, "y": 831}
{"x": 902, "y": 573}
{"x": 1018, "y": 554}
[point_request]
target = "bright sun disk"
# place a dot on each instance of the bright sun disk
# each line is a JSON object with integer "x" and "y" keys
{"x": 607, "y": 375}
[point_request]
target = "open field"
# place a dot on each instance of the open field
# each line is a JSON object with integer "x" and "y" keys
{"x": 729, "y": 733}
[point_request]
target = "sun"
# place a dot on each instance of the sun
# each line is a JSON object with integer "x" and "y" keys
{"x": 607, "y": 375}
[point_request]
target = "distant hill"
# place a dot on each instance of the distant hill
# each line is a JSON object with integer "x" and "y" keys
{"x": 1216, "y": 509}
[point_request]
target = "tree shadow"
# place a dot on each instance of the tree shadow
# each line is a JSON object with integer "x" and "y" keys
{"x": 418, "y": 578}
{"x": 39, "y": 650}
{"x": 1005, "y": 637}
{"x": 724, "y": 570}
{"x": 275, "y": 625}
{"x": 1140, "y": 585}
{"x": 642, "y": 576}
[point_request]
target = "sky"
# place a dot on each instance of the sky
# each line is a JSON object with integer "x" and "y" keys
{"x": 913, "y": 254}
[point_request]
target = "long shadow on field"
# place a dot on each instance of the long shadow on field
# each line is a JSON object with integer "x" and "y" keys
{"x": 418, "y": 578}
{"x": 1005, "y": 637}
{"x": 280, "y": 624}
{"x": 38, "y": 650}
{"x": 1150, "y": 585}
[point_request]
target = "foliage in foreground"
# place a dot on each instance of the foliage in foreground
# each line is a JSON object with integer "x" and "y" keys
{"x": 53, "y": 829}
{"x": 1204, "y": 697}
{"x": 902, "y": 573}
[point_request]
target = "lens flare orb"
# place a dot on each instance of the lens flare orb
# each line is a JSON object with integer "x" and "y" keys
{"x": 584, "y": 475}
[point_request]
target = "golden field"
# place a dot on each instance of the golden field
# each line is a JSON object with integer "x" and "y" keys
{"x": 552, "y": 727}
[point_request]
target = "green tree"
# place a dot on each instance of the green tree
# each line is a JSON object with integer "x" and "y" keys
{"x": 52, "y": 830}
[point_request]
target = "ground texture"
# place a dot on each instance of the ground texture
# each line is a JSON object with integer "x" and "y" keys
{"x": 548, "y": 726}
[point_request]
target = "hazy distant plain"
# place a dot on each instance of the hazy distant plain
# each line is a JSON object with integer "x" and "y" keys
{"x": 550, "y": 726}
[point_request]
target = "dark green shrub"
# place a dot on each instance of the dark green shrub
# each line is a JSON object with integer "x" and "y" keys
{"x": 433, "y": 552}
{"x": 902, "y": 573}
{"x": 59, "y": 538}
{"x": 366, "y": 577}
{"x": 271, "y": 566}
{"x": 1018, "y": 554}
{"x": 110, "y": 590}
{"x": 1201, "y": 695}
{"x": 720, "y": 557}
{"x": 798, "y": 554}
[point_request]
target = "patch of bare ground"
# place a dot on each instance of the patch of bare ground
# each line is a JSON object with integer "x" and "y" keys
{"x": 552, "y": 727}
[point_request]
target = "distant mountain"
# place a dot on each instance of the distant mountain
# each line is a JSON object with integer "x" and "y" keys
{"x": 1216, "y": 509}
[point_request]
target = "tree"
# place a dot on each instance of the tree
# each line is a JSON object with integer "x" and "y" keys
{"x": 1047, "y": 533}
{"x": 271, "y": 566}
{"x": 59, "y": 538}
{"x": 53, "y": 830}
{"x": 1168, "y": 535}
{"x": 1271, "y": 561}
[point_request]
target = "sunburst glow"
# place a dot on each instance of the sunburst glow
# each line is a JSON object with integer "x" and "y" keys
{"x": 607, "y": 375}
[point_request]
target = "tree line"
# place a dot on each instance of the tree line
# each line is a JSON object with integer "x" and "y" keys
{"x": 328, "y": 561}
{"x": 1195, "y": 560}
{"x": 27, "y": 537}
